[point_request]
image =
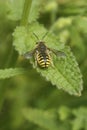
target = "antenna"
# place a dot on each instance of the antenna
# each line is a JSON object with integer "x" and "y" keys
{"x": 42, "y": 36}
{"x": 36, "y": 36}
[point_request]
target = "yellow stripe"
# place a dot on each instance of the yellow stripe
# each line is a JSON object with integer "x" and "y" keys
{"x": 41, "y": 62}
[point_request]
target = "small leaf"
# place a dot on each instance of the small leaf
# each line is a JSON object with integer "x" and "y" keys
{"x": 64, "y": 113}
{"x": 15, "y": 8}
{"x": 42, "y": 118}
{"x": 7, "y": 73}
{"x": 66, "y": 74}
{"x": 73, "y": 7}
{"x": 80, "y": 122}
{"x": 35, "y": 8}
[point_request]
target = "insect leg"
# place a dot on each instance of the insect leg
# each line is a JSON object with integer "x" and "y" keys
{"x": 35, "y": 56}
{"x": 52, "y": 64}
{"x": 49, "y": 52}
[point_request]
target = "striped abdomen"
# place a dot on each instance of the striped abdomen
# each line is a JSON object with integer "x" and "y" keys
{"x": 43, "y": 60}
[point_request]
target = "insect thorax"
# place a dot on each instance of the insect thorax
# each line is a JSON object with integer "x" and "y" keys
{"x": 41, "y": 47}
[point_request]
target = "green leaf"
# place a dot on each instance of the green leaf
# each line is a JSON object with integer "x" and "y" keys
{"x": 64, "y": 113}
{"x": 7, "y": 73}
{"x": 65, "y": 74}
{"x": 44, "y": 119}
{"x": 73, "y": 8}
{"x": 15, "y": 9}
{"x": 80, "y": 122}
{"x": 82, "y": 24}
{"x": 34, "y": 12}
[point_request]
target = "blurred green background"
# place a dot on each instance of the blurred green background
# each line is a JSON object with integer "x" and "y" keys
{"x": 68, "y": 20}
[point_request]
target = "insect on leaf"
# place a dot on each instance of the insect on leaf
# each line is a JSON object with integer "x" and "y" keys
{"x": 65, "y": 74}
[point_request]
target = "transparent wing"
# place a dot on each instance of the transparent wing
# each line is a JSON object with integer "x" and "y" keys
{"x": 29, "y": 55}
{"x": 58, "y": 53}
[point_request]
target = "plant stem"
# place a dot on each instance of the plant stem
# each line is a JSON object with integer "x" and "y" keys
{"x": 26, "y": 11}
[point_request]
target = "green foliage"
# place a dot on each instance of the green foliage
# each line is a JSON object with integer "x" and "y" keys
{"x": 80, "y": 121}
{"x": 15, "y": 9}
{"x": 50, "y": 120}
{"x": 7, "y": 73}
{"x": 27, "y": 100}
{"x": 42, "y": 118}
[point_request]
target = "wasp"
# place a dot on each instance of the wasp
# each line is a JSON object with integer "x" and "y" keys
{"x": 42, "y": 54}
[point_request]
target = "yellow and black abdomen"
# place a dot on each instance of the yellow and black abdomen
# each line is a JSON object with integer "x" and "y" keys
{"x": 43, "y": 60}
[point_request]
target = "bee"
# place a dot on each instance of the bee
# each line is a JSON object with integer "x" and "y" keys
{"x": 42, "y": 54}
